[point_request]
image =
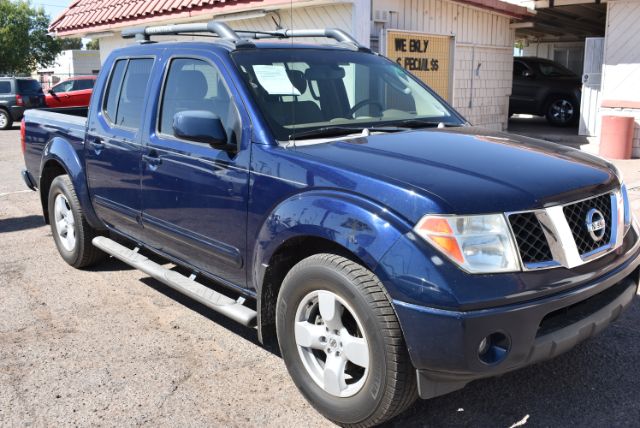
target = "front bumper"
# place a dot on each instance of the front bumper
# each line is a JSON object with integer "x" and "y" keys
{"x": 444, "y": 344}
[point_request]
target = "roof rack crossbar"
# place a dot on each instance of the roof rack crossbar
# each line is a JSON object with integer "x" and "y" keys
{"x": 225, "y": 32}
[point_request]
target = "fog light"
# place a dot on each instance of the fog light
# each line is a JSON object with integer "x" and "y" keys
{"x": 494, "y": 348}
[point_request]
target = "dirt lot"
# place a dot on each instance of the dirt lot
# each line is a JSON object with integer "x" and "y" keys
{"x": 110, "y": 346}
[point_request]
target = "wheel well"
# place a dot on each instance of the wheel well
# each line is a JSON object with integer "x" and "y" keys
{"x": 51, "y": 170}
{"x": 285, "y": 257}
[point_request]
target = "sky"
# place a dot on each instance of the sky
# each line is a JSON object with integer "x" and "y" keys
{"x": 52, "y": 7}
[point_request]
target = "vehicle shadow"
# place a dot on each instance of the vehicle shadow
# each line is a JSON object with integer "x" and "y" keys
{"x": 247, "y": 333}
{"x": 15, "y": 224}
{"x": 596, "y": 384}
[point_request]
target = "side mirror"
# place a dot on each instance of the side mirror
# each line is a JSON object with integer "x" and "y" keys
{"x": 200, "y": 126}
{"x": 51, "y": 91}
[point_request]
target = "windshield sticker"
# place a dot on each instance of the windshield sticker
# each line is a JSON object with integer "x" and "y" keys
{"x": 274, "y": 79}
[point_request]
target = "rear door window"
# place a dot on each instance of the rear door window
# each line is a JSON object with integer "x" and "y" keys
{"x": 5, "y": 87}
{"x": 82, "y": 84}
{"x": 29, "y": 86}
{"x": 124, "y": 101}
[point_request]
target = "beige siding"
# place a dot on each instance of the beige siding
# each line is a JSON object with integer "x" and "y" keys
{"x": 329, "y": 15}
{"x": 481, "y": 37}
{"x": 621, "y": 71}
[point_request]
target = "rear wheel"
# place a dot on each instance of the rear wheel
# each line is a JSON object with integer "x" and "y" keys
{"x": 342, "y": 343}
{"x": 562, "y": 111}
{"x": 69, "y": 226}
{"x": 5, "y": 119}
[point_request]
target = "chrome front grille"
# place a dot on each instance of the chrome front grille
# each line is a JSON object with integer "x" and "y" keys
{"x": 567, "y": 235}
{"x": 576, "y": 217}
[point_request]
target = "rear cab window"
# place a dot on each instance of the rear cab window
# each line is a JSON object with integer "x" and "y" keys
{"x": 124, "y": 100}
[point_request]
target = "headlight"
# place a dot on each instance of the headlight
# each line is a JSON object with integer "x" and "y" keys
{"x": 476, "y": 243}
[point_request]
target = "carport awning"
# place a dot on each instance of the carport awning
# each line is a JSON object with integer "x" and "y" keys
{"x": 568, "y": 22}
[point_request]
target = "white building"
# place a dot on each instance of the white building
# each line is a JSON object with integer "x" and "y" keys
{"x": 474, "y": 38}
{"x": 69, "y": 63}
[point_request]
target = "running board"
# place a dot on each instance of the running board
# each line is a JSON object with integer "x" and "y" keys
{"x": 227, "y": 306}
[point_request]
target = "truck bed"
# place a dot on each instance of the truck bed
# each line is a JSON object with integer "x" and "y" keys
{"x": 43, "y": 126}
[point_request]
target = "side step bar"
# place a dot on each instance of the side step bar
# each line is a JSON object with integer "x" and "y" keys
{"x": 227, "y": 306}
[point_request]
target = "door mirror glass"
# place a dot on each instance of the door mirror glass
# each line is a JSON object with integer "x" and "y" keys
{"x": 200, "y": 126}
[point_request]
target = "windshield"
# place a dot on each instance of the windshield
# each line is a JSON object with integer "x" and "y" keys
{"x": 304, "y": 90}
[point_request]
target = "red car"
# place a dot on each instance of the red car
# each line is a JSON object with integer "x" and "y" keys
{"x": 73, "y": 92}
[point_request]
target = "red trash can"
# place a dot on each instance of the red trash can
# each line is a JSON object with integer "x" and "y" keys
{"x": 616, "y": 137}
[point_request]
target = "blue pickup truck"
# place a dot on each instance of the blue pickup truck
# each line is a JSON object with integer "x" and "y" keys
{"x": 326, "y": 197}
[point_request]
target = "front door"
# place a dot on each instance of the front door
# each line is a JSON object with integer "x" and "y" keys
{"x": 194, "y": 196}
{"x": 113, "y": 148}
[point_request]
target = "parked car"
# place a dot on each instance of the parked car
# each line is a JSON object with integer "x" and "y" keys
{"x": 73, "y": 92}
{"x": 391, "y": 249}
{"x": 545, "y": 88}
{"x": 16, "y": 95}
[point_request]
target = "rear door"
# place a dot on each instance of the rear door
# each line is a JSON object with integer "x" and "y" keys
{"x": 194, "y": 197}
{"x": 113, "y": 147}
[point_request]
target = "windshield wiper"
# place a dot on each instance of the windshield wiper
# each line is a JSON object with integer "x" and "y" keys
{"x": 425, "y": 123}
{"x": 335, "y": 131}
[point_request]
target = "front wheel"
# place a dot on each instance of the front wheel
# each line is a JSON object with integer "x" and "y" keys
{"x": 342, "y": 343}
{"x": 71, "y": 231}
{"x": 562, "y": 111}
{"x": 5, "y": 119}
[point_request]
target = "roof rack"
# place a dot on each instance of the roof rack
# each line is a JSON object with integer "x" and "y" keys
{"x": 226, "y": 33}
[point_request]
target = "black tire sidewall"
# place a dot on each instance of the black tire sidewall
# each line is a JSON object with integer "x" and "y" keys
{"x": 58, "y": 186}
{"x": 9, "y": 120}
{"x": 348, "y": 410}
{"x": 574, "y": 104}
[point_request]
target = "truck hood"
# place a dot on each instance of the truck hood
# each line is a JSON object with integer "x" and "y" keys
{"x": 472, "y": 170}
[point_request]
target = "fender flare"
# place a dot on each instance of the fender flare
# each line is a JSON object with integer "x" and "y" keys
{"x": 362, "y": 227}
{"x": 63, "y": 153}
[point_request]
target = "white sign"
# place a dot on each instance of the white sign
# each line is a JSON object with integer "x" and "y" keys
{"x": 274, "y": 79}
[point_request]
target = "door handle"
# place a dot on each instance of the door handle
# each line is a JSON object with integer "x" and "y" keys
{"x": 152, "y": 159}
{"x": 96, "y": 144}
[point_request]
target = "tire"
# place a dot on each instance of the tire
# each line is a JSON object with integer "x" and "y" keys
{"x": 370, "y": 390}
{"x": 562, "y": 111}
{"x": 5, "y": 119}
{"x": 71, "y": 232}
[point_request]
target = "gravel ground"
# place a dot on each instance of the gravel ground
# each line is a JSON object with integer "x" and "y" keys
{"x": 109, "y": 346}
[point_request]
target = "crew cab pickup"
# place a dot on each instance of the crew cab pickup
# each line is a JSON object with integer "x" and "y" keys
{"x": 325, "y": 196}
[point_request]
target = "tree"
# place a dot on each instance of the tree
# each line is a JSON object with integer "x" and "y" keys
{"x": 72, "y": 43}
{"x": 24, "y": 42}
{"x": 93, "y": 44}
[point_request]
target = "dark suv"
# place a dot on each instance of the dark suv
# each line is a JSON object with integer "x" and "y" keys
{"x": 545, "y": 88}
{"x": 16, "y": 95}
